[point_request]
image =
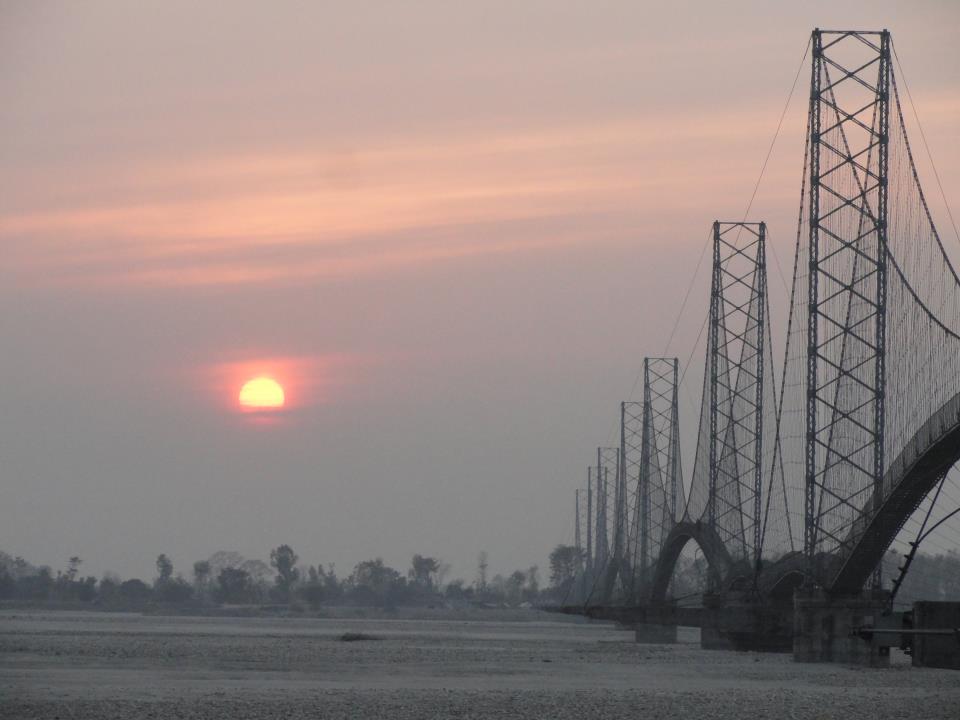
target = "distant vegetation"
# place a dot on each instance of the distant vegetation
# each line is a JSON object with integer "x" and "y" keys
{"x": 229, "y": 579}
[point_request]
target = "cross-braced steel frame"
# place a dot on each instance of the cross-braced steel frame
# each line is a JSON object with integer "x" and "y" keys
{"x": 660, "y": 467}
{"x": 577, "y": 536}
{"x": 738, "y": 304}
{"x": 849, "y": 121}
{"x": 605, "y": 477}
{"x": 588, "y": 574}
{"x": 631, "y": 448}
{"x": 650, "y": 462}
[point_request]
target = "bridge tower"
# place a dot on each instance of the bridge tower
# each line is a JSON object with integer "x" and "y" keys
{"x": 631, "y": 449}
{"x": 588, "y": 572}
{"x": 607, "y": 544}
{"x": 660, "y": 486}
{"x": 576, "y": 527}
{"x": 847, "y": 288}
{"x": 738, "y": 306}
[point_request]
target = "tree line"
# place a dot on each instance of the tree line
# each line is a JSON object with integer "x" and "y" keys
{"x": 227, "y": 578}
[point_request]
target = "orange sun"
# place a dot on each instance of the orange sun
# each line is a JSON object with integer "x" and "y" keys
{"x": 261, "y": 393}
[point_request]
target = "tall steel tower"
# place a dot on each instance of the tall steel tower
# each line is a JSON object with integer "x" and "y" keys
{"x": 659, "y": 486}
{"x": 849, "y": 142}
{"x": 606, "y": 472}
{"x": 631, "y": 456}
{"x": 738, "y": 305}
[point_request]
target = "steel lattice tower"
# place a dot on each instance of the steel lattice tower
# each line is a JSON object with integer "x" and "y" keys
{"x": 738, "y": 304}
{"x": 849, "y": 122}
{"x": 589, "y": 558}
{"x": 631, "y": 449}
{"x": 600, "y": 519}
{"x": 576, "y": 527}
{"x": 659, "y": 481}
{"x": 606, "y": 471}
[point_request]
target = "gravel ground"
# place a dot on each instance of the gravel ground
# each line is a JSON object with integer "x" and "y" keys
{"x": 112, "y": 666}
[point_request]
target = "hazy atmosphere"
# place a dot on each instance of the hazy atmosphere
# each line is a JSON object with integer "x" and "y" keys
{"x": 450, "y": 231}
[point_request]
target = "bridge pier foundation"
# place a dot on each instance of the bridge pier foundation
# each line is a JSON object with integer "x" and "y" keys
{"x": 824, "y": 628}
{"x": 652, "y": 634}
{"x": 743, "y": 621}
{"x": 713, "y": 625}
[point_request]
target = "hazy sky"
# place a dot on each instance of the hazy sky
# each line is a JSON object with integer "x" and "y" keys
{"x": 451, "y": 230}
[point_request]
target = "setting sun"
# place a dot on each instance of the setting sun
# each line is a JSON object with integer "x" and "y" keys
{"x": 261, "y": 393}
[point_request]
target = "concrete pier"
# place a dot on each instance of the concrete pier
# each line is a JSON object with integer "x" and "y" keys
{"x": 928, "y": 650}
{"x": 824, "y": 628}
{"x": 742, "y": 621}
{"x": 652, "y": 634}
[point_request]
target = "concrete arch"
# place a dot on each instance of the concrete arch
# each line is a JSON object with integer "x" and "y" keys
{"x": 718, "y": 558}
{"x": 778, "y": 578}
{"x": 934, "y": 449}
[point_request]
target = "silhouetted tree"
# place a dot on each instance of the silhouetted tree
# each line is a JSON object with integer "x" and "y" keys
{"x": 423, "y": 571}
{"x": 201, "y": 578}
{"x": 458, "y": 590}
{"x": 85, "y": 590}
{"x": 565, "y": 560}
{"x": 201, "y": 572}
{"x": 109, "y": 589}
{"x": 224, "y": 559}
{"x": 8, "y": 586}
{"x": 284, "y": 561}
{"x": 513, "y": 587}
{"x": 532, "y": 588}
{"x": 135, "y": 591}
{"x": 496, "y": 591}
{"x": 331, "y": 583}
{"x": 164, "y": 569}
{"x": 235, "y": 586}
{"x": 313, "y": 590}
{"x": 320, "y": 585}
{"x": 175, "y": 591}
{"x": 372, "y": 582}
{"x": 36, "y": 587}
{"x": 73, "y": 567}
{"x": 260, "y": 574}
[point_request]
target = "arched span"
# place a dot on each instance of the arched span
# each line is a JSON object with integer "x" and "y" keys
{"x": 718, "y": 559}
{"x": 780, "y": 577}
{"x": 931, "y": 452}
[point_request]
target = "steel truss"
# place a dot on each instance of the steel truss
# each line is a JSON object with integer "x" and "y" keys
{"x": 738, "y": 304}
{"x": 849, "y": 121}
{"x": 631, "y": 448}
{"x": 660, "y": 485}
{"x": 605, "y": 476}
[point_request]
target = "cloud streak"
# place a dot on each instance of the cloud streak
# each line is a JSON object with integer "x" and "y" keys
{"x": 264, "y": 217}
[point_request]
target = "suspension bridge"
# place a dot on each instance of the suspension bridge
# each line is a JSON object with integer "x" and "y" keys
{"x": 803, "y": 474}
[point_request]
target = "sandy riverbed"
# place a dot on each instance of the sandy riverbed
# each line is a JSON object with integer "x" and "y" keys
{"x": 90, "y": 665}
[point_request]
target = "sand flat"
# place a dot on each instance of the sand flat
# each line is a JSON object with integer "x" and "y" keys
{"x": 99, "y": 665}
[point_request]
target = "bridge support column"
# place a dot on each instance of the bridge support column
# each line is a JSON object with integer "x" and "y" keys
{"x": 712, "y": 626}
{"x": 742, "y": 621}
{"x": 936, "y": 650}
{"x": 652, "y": 634}
{"x": 824, "y": 625}
{"x": 659, "y": 625}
